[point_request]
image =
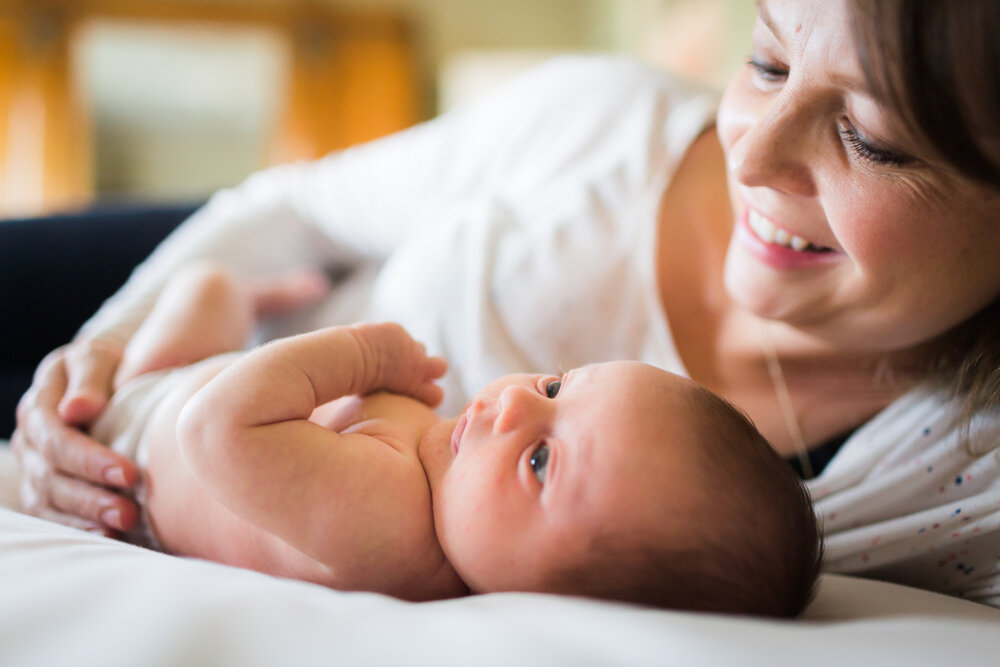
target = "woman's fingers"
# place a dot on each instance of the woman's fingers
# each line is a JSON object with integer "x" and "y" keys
{"x": 92, "y": 504}
{"x": 59, "y": 447}
{"x": 70, "y": 501}
{"x": 89, "y": 371}
{"x": 76, "y": 522}
{"x": 69, "y": 451}
{"x": 60, "y": 465}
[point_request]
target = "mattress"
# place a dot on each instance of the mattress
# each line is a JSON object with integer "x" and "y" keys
{"x": 68, "y": 597}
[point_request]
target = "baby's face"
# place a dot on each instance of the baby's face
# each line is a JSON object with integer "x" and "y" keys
{"x": 535, "y": 465}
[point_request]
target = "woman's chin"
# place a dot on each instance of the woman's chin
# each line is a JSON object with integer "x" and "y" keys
{"x": 755, "y": 293}
{"x": 763, "y": 292}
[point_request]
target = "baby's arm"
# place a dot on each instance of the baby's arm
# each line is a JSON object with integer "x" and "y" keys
{"x": 247, "y": 436}
{"x": 205, "y": 310}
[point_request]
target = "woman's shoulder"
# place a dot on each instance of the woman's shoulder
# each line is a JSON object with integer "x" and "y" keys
{"x": 603, "y": 83}
{"x": 913, "y": 497}
{"x": 582, "y": 68}
{"x": 584, "y": 117}
{"x": 922, "y": 422}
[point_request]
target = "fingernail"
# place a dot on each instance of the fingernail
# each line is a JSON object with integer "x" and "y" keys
{"x": 112, "y": 518}
{"x": 114, "y": 476}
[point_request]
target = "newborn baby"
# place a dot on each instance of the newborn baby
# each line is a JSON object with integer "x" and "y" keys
{"x": 319, "y": 457}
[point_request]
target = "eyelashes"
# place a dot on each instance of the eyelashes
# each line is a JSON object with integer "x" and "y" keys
{"x": 765, "y": 71}
{"x": 873, "y": 154}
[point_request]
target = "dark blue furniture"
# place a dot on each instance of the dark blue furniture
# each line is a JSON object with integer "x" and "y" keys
{"x": 55, "y": 272}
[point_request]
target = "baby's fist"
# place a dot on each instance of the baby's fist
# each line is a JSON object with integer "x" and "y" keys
{"x": 400, "y": 364}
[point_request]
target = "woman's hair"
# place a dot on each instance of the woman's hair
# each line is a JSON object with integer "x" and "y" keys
{"x": 750, "y": 546}
{"x": 937, "y": 64}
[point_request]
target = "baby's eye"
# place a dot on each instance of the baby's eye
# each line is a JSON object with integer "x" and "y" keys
{"x": 539, "y": 462}
{"x": 552, "y": 388}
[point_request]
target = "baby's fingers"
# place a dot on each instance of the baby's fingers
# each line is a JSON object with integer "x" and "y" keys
{"x": 436, "y": 367}
{"x": 428, "y": 393}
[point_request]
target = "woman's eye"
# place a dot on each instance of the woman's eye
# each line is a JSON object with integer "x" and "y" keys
{"x": 866, "y": 151}
{"x": 766, "y": 71}
{"x": 552, "y": 388}
{"x": 539, "y": 462}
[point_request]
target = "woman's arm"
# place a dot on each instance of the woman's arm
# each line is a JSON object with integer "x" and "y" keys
{"x": 363, "y": 202}
{"x": 355, "y": 204}
{"x": 247, "y": 437}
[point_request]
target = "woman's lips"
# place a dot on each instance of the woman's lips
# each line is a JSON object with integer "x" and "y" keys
{"x": 456, "y": 435}
{"x": 762, "y": 239}
{"x": 769, "y": 232}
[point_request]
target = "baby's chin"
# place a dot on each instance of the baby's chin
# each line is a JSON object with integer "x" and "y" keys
{"x": 434, "y": 451}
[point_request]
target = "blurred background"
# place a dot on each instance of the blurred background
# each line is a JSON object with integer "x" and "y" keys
{"x": 168, "y": 100}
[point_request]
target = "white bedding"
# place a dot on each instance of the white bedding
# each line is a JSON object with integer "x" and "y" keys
{"x": 69, "y": 598}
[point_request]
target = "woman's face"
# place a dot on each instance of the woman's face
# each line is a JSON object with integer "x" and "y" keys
{"x": 846, "y": 227}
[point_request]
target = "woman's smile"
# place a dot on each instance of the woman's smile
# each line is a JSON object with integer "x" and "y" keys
{"x": 779, "y": 248}
{"x": 769, "y": 232}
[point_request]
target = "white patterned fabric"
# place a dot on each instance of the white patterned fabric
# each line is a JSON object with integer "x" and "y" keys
{"x": 913, "y": 497}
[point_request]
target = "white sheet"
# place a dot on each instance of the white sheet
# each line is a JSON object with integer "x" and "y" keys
{"x": 67, "y": 597}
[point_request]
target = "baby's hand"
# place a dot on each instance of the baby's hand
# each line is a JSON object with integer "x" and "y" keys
{"x": 397, "y": 363}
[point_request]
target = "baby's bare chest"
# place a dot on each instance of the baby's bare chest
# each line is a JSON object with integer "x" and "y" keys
{"x": 382, "y": 415}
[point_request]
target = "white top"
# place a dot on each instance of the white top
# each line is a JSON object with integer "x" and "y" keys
{"x": 518, "y": 234}
{"x": 514, "y": 235}
{"x": 912, "y": 498}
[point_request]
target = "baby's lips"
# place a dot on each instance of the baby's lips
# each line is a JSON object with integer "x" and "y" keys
{"x": 456, "y": 435}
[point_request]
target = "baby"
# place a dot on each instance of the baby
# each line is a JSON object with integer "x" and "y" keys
{"x": 319, "y": 457}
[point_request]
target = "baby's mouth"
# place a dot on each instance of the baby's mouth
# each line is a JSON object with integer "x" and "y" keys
{"x": 456, "y": 435}
{"x": 768, "y": 232}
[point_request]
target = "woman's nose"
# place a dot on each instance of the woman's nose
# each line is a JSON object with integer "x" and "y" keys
{"x": 515, "y": 405}
{"x": 773, "y": 150}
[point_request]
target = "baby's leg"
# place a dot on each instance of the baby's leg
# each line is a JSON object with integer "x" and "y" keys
{"x": 201, "y": 312}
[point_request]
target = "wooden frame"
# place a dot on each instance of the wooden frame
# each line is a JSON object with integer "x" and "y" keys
{"x": 353, "y": 78}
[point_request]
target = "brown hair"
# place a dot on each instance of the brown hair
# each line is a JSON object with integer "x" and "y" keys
{"x": 755, "y": 548}
{"x": 937, "y": 64}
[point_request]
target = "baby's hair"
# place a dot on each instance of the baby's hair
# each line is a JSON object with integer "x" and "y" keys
{"x": 757, "y": 550}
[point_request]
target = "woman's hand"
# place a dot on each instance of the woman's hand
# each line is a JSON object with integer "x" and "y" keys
{"x": 397, "y": 363}
{"x": 69, "y": 477}
{"x": 65, "y": 475}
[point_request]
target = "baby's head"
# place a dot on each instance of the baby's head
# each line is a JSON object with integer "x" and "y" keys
{"x": 625, "y": 482}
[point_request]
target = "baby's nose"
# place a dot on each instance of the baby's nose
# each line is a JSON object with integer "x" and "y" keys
{"x": 513, "y": 406}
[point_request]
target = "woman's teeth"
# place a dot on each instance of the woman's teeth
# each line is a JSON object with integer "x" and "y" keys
{"x": 767, "y": 232}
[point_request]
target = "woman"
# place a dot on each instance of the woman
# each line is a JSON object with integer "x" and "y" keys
{"x": 823, "y": 255}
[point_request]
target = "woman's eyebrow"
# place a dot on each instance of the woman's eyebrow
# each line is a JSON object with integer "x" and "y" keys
{"x": 843, "y": 80}
{"x": 765, "y": 16}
